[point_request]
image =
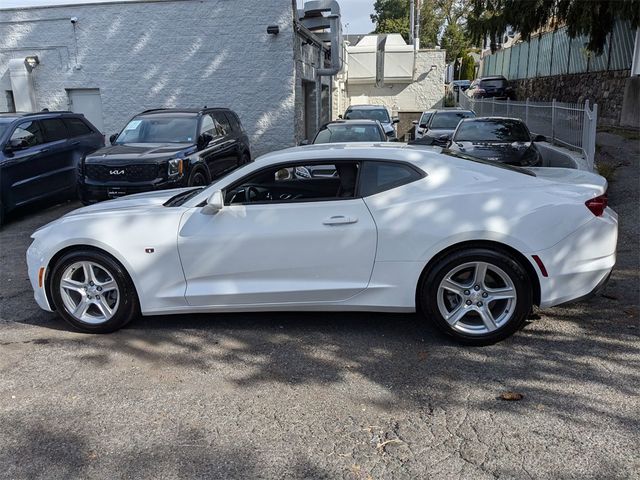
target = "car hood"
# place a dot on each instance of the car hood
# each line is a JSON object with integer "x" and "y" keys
{"x": 438, "y": 132}
{"x": 139, "y": 152}
{"x": 497, "y": 152}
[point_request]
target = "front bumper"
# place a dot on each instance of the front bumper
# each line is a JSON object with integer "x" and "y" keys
{"x": 92, "y": 192}
{"x": 36, "y": 259}
{"x": 581, "y": 263}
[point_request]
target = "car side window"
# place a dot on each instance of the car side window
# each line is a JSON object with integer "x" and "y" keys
{"x": 54, "y": 130}
{"x": 296, "y": 183}
{"x": 381, "y": 176}
{"x": 223, "y": 124}
{"x": 76, "y": 127}
{"x": 29, "y": 133}
{"x": 208, "y": 125}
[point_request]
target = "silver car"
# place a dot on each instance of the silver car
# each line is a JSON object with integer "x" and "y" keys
{"x": 374, "y": 112}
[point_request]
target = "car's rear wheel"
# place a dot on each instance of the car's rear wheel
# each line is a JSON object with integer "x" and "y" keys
{"x": 93, "y": 292}
{"x": 478, "y": 296}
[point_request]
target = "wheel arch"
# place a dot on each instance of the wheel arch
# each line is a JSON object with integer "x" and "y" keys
{"x": 200, "y": 165}
{"x": 521, "y": 258}
{"x": 70, "y": 248}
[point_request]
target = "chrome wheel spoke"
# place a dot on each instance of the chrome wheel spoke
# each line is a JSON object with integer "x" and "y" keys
{"x": 81, "y": 309}
{"x": 72, "y": 285}
{"x": 480, "y": 274}
{"x": 104, "y": 308}
{"x": 506, "y": 293}
{"x": 455, "y": 316}
{"x": 108, "y": 286}
{"x": 487, "y": 319}
{"x": 453, "y": 286}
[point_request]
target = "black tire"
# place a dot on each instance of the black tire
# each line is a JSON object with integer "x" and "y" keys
{"x": 128, "y": 306}
{"x": 198, "y": 178}
{"x": 429, "y": 291}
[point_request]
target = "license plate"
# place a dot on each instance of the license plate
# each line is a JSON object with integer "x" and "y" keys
{"x": 115, "y": 192}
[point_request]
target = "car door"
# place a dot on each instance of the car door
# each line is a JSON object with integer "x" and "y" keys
{"x": 229, "y": 141}
{"x": 63, "y": 154}
{"x": 279, "y": 250}
{"x": 215, "y": 153}
{"x": 27, "y": 172}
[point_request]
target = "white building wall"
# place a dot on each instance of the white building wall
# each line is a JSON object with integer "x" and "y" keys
{"x": 426, "y": 91}
{"x": 150, "y": 54}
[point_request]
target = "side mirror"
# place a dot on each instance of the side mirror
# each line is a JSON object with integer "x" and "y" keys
{"x": 395, "y": 120}
{"x": 304, "y": 142}
{"x": 340, "y": 117}
{"x": 15, "y": 144}
{"x": 113, "y": 138}
{"x": 423, "y": 125}
{"x": 214, "y": 204}
{"x": 415, "y": 122}
{"x": 204, "y": 139}
{"x": 540, "y": 138}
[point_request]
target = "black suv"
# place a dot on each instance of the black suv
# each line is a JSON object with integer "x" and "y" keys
{"x": 491, "y": 87}
{"x": 165, "y": 148}
{"x": 40, "y": 153}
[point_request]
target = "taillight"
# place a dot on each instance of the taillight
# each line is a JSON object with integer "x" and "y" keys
{"x": 598, "y": 204}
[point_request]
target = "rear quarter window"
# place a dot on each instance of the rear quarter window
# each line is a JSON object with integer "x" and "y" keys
{"x": 77, "y": 127}
{"x": 378, "y": 177}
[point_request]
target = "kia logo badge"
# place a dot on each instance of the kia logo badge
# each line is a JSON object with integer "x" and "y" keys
{"x": 116, "y": 172}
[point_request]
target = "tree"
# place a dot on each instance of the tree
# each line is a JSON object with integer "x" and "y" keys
{"x": 392, "y": 16}
{"x": 454, "y": 41}
{"x": 592, "y": 18}
{"x": 468, "y": 68}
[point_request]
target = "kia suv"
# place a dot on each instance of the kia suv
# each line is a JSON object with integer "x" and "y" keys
{"x": 39, "y": 155}
{"x": 165, "y": 148}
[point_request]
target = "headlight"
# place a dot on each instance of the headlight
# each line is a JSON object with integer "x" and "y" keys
{"x": 175, "y": 168}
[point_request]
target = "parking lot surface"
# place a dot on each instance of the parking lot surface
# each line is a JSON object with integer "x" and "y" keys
{"x": 323, "y": 395}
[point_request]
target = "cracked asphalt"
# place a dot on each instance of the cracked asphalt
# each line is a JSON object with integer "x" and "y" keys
{"x": 324, "y": 395}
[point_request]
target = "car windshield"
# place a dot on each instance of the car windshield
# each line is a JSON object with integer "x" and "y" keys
{"x": 160, "y": 129}
{"x": 348, "y": 133}
{"x": 496, "y": 83}
{"x": 424, "y": 119}
{"x": 492, "y": 131}
{"x": 379, "y": 114}
{"x": 3, "y": 127}
{"x": 449, "y": 120}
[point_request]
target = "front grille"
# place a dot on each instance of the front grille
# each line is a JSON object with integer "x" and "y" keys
{"x": 122, "y": 173}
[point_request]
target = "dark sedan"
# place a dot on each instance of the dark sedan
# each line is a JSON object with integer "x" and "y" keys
{"x": 440, "y": 127}
{"x": 346, "y": 131}
{"x": 503, "y": 140}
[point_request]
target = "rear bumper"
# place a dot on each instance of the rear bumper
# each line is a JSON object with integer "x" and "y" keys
{"x": 579, "y": 265}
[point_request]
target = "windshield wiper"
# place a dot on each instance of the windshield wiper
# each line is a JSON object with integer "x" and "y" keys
{"x": 182, "y": 197}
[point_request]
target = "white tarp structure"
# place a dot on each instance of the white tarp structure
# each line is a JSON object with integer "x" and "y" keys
{"x": 389, "y": 55}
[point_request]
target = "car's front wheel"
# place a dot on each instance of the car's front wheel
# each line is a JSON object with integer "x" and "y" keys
{"x": 93, "y": 292}
{"x": 478, "y": 296}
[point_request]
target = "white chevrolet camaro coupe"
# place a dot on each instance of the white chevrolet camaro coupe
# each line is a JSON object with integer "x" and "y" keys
{"x": 394, "y": 228}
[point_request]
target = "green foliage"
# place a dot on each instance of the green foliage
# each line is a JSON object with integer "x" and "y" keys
{"x": 467, "y": 70}
{"x": 593, "y": 18}
{"x": 454, "y": 41}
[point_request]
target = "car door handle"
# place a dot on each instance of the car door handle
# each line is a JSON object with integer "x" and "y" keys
{"x": 339, "y": 220}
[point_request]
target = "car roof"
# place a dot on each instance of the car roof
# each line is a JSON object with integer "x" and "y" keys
{"x": 491, "y": 119}
{"x": 364, "y": 121}
{"x": 36, "y": 115}
{"x": 188, "y": 111}
{"x": 366, "y": 107}
{"x": 455, "y": 110}
{"x": 494, "y": 77}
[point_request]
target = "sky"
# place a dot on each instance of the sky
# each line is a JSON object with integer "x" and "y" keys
{"x": 355, "y": 13}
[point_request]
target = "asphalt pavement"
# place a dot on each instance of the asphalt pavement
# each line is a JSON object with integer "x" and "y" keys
{"x": 326, "y": 395}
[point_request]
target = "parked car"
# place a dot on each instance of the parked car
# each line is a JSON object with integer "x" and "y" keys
{"x": 40, "y": 153}
{"x": 374, "y": 112}
{"x": 165, "y": 148}
{"x": 504, "y": 140}
{"x": 438, "y": 130}
{"x": 461, "y": 85}
{"x": 424, "y": 120}
{"x": 491, "y": 87}
{"x": 347, "y": 131}
{"x": 472, "y": 244}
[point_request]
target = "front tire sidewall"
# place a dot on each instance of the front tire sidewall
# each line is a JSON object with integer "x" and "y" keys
{"x": 502, "y": 260}
{"x": 128, "y": 305}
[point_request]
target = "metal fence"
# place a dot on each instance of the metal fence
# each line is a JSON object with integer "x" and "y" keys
{"x": 555, "y": 53}
{"x": 569, "y": 125}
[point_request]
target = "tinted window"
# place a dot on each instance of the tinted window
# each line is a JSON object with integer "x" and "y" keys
{"x": 30, "y": 133}
{"x": 492, "y": 131}
{"x": 54, "y": 129}
{"x": 348, "y": 133}
{"x": 159, "y": 129}
{"x": 77, "y": 127}
{"x": 223, "y": 123}
{"x": 4, "y": 127}
{"x": 424, "y": 119}
{"x": 449, "y": 120}
{"x": 498, "y": 83}
{"x": 379, "y": 114}
{"x": 208, "y": 125}
{"x": 380, "y": 176}
{"x": 233, "y": 120}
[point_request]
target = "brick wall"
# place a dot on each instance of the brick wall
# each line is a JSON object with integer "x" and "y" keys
{"x": 153, "y": 54}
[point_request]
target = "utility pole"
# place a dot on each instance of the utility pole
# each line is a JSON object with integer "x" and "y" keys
{"x": 412, "y": 21}
{"x": 416, "y": 41}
